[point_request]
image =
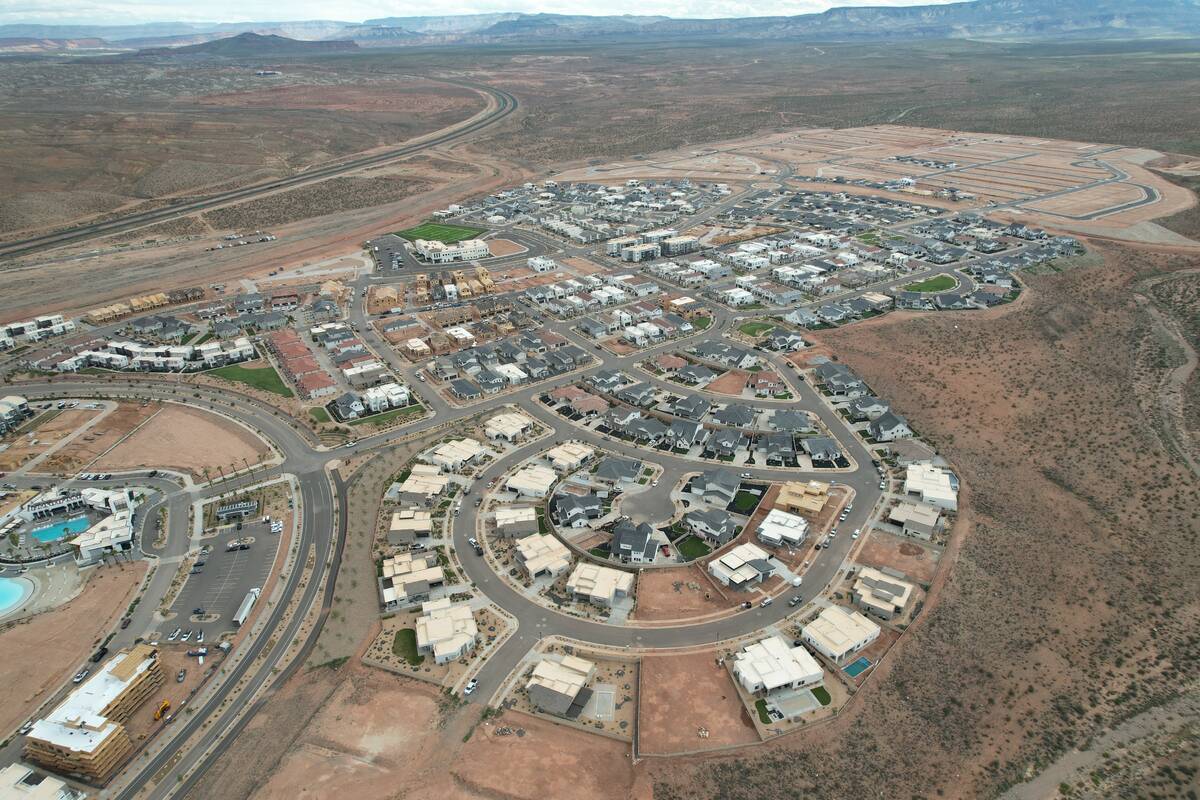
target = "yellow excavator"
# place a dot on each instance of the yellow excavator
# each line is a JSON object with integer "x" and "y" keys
{"x": 163, "y": 708}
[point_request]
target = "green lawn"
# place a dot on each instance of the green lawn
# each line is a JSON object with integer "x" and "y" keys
{"x": 599, "y": 552}
{"x": 745, "y": 502}
{"x": 405, "y": 646}
{"x": 700, "y": 323}
{"x": 822, "y": 695}
{"x": 379, "y": 420}
{"x": 692, "y": 547}
{"x": 265, "y": 378}
{"x": 938, "y": 283}
{"x": 319, "y": 414}
{"x": 543, "y": 526}
{"x": 440, "y": 232}
{"x": 760, "y": 705}
{"x": 756, "y": 329}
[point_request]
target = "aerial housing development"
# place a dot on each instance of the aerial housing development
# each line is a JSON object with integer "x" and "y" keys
{"x": 386, "y": 422}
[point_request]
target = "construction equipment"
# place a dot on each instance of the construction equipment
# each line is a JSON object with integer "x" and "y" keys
{"x": 163, "y": 708}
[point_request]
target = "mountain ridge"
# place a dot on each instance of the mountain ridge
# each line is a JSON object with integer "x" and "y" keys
{"x": 1023, "y": 20}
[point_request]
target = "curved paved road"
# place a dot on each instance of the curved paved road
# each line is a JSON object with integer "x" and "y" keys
{"x": 500, "y": 105}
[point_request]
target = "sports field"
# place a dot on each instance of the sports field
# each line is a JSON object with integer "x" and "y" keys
{"x": 441, "y": 232}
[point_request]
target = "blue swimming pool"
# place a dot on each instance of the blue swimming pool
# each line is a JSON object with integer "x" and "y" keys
{"x": 857, "y": 668}
{"x": 12, "y": 592}
{"x": 60, "y": 530}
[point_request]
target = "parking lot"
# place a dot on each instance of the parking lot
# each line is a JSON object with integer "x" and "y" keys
{"x": 390, "y": 253}
{"x": 225, "y": 579}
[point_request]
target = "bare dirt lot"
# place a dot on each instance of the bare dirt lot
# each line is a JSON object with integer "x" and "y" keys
{"x": 685, "y": 694}
{"x": 43, "y": 651}
{"x": 681, "y": 593}
{"x": 34, "y": 442}
{"x": 372, "y": 729}
{"x": 189, "y": 440}
{"x": 913, "y": 557}
{"x": 504, "y": 247}
{"x": 548, "y": 761}
{"x": 364, "y": 733}
{"x": 84, "y": 449}
{"x": 731, "y": 383}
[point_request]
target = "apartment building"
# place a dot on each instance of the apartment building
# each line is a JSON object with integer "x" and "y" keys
{"x": 85, "y": 735}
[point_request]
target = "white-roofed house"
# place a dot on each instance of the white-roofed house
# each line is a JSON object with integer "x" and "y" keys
{"x": 446, "y": 630}
{"x": 782, "y": 528}
{"x": 742, "y": 566}
{"x": 837, "y": 632}
{"x": 454, "y": 455}
{"x": 773, "y": 664}
{"x": 516, "y": 521}
{"x": 602, "y": 586}
{"x": 542, "y": 554}
{"x": 509, "y": 426}
{"x": 533, "y": 480}
{"x": 559, "y": 686}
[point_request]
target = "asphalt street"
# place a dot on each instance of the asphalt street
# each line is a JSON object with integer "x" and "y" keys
{"x": 302, "y": 456}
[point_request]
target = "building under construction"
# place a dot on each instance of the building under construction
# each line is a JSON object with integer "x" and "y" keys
{"x": 84, "y": 736}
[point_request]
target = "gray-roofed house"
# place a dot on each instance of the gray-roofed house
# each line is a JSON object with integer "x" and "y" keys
{"x": 951, "y": 301}
{"x": 692, "y": 407}
{"x": 463, "y": 389}
{"x": 985, "y": 299}
{"x": 726, "y": 442}
{"x": 348, "y": 406}
{"x": 717, "y": 486}
{"x": 802, "y": 317}
{"x": 867, "y": 407}
{"x": 784, "y": 341}
{"x": 889, "y": 427}
{"x": 632, "y": 543}
{"x": 683, "y": 434}
{"x": 792, "y": 421}
{"x": 593, "y": 327}
{"x": 822, "y": 448}
{"x": 490, "y": 382}
{"x": 713, "y": 524}
{"x": 735, "y": 414}
{"x": 695, "y": 374}
{"x": 613, "y": 470}
{"x": 574, "y": 511}
{"x": 607, "y": 380}
{"x": 640, "y": 394}
{"x": 777, "y": 448}
{"x": 226, "y": 330}
{"x": 647, "y": 429}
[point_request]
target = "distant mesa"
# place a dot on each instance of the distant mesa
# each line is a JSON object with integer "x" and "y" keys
{"x": 994, "y": 20}
{"x": 254, "y": 44}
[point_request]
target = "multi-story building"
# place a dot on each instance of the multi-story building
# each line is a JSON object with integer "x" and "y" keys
{"x": 442, "y": 253}
{"x": 85, "y": 735}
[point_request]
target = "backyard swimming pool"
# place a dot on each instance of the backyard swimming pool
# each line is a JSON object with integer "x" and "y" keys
{"x": 60, "y": 530}
{"x": 858, "y": 667}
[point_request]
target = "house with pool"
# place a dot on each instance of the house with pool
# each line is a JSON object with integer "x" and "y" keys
{"x": 91, "y": 524}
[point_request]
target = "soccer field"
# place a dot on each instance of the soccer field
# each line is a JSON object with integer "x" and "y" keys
{"x": 437, "y": 231}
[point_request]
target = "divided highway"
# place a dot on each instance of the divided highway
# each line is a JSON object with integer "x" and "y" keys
{"x": 503, "y": 105}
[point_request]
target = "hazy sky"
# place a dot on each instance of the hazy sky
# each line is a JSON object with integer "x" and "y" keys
{"x": 124, "y": 12}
